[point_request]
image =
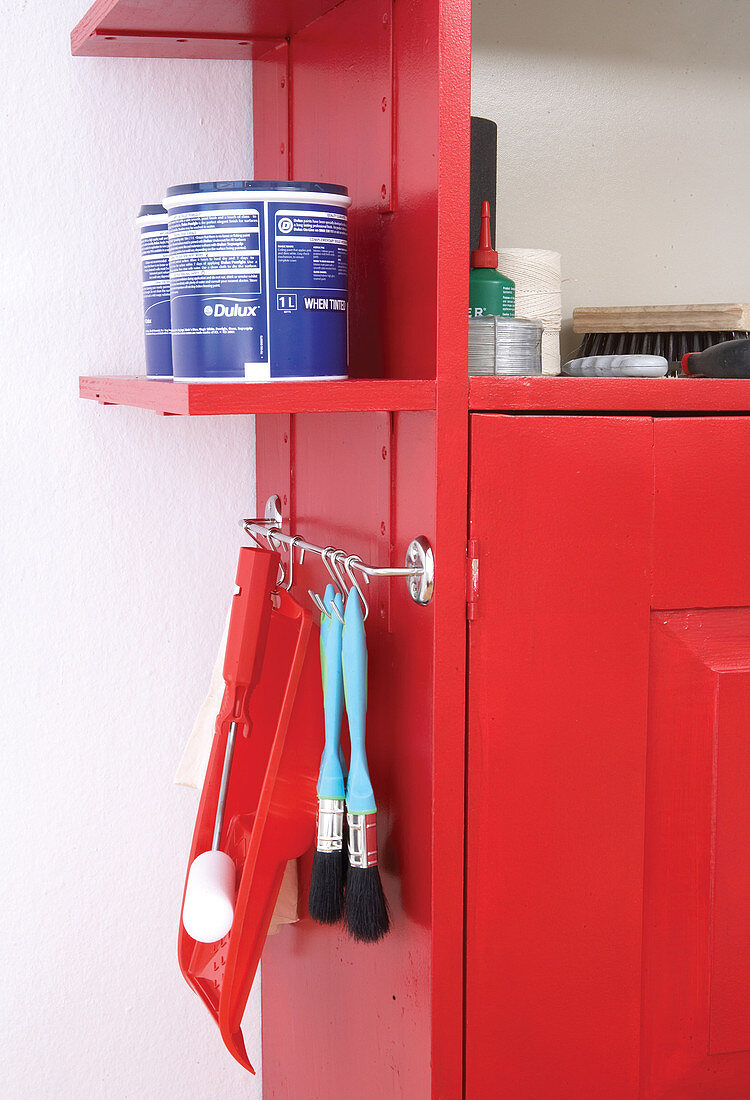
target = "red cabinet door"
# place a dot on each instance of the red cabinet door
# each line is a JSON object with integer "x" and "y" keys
{"x": 558, "y": 675}
{"x": 608, "y": 881}
{"x": 696, "y": 943}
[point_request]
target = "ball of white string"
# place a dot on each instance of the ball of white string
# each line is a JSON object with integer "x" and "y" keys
{"x": 537, "y": 275}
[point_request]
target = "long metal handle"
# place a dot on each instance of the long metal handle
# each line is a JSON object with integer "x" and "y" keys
{"x": 265, "y": 530}
{"x": 419, "y": 570}
{"x": 228, "y": 753}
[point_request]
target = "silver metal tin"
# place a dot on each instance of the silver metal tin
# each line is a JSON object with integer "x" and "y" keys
{"x": 504, "y": 346}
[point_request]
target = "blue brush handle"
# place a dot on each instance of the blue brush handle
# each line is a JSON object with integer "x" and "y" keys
{"x": 331, "y": 777}
{"x": 325, "y": 622}
{"x": 360, "y": 798}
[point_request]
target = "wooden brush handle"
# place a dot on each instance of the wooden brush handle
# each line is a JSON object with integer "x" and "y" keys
{"x": 732, "y": 317}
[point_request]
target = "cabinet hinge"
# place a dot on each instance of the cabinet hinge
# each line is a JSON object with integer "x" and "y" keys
{"x": 472, "y": 579}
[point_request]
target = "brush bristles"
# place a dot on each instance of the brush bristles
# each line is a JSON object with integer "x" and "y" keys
{"x": 366, "y": 907}
{"x": 672, "y": 345}
{"x": 326, "y": 898}
{"x": 345, "y": 850}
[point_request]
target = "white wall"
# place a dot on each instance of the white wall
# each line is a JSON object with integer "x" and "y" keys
{"x": 623, "y": 142}
{"x": 118, "y": 551}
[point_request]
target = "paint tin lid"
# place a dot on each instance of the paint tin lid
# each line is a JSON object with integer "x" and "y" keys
{"x": 152, "y": 211}
{"x": 256, "y": 185}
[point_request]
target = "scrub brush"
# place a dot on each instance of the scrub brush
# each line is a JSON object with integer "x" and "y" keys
{"x": 326, "y": 898}
{"x": 669, "y": 331}
{"x": 366, "y": 907}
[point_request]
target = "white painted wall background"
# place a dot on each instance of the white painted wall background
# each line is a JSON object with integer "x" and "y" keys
{"x": 118, "y": 552}
{"x": 623, "y": 142}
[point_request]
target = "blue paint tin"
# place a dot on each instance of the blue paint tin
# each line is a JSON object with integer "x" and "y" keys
{"x": 258, "y": 274}
{"x": 156, "y": 310}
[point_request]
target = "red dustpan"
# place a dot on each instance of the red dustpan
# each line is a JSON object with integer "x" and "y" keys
{"x": 273, "y": 691}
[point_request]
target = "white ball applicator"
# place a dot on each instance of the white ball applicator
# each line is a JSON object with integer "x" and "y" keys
{"x": 208, "y": 910}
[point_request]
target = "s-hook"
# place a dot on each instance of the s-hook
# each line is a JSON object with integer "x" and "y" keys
{"x": 348, "y": 563}
{"x": 292, "y": 544}
{"x": 329, "y": 560}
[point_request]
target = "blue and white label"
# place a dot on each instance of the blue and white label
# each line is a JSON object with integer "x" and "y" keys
{"x": 311, "y": 250}
{"x": 156, "y": 303}
{"x": 258, "y": 288}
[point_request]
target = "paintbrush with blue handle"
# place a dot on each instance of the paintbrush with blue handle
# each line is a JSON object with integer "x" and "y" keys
{"x": 326, "y": 897}
{"x": 366, "y": 907}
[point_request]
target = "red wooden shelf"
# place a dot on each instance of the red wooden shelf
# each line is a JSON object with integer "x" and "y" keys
{"x": 242, "y": 398}
{"x": 238, "y": 29}
{"x": 667, "y": 395}
{"x": 656, "y": 395}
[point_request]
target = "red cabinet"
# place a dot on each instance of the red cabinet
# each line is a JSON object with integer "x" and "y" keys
{"x": 608, "y": 872}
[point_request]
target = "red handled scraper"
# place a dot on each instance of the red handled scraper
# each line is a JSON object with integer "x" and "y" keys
{"x": 208, "y": 909}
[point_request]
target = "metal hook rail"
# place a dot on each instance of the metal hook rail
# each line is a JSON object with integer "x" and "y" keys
{"x": 419, "y": 569}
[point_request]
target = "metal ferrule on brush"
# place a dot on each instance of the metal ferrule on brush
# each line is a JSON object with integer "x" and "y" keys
{"x": 363, "y": 840}
{"x": 330, "y": 824}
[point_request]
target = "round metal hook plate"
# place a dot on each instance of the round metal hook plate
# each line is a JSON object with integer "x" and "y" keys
{"x": 273, "y": 511}
{"x": 419, "y": 556}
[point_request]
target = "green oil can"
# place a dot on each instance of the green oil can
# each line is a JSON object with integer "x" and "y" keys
{"x": 490, "y": 293}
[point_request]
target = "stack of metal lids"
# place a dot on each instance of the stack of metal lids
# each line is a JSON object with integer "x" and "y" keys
{"x": 504, "y": 346}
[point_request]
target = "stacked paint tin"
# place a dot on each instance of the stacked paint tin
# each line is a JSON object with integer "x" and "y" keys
{"x": 258, "y": 281}
{"x": 152, "y": 222}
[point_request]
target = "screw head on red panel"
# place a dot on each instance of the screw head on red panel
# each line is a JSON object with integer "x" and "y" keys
{"x": 383, "y": 191}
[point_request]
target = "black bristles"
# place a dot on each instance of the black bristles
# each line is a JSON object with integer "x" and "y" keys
{"x": 366, "y": 907}
{"x": 671, "y": 345}
{"x": 345, "y": 852}
{"x": 326, "y": 898}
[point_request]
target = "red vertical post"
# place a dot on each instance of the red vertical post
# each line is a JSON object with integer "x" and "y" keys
{"x": 384, "y": 104}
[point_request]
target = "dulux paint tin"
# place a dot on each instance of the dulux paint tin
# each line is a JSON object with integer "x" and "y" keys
{"x": 258, "y": 276}
{"x": 152, "y": 221}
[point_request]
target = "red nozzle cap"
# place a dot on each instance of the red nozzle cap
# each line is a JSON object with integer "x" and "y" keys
{"x": 485, "y": 255}
{"x": 685, "y": 367}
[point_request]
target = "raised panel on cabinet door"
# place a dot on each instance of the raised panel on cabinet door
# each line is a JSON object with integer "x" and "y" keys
{"x": 558, "y": 668}
{"x": 696, "y": 958}
{"x": 701, "y": 512}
